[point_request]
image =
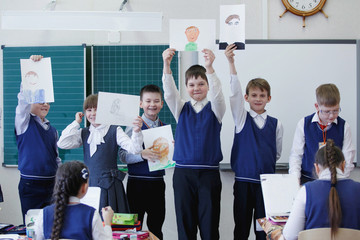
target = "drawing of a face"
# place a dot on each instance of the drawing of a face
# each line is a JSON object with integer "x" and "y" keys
{"x": 233, "y": 29}
{"x": 233, "y": 20}
{"x": 31, "y": 80}
{"x": 115, "y": 107}
{"x": 192, "y": 33}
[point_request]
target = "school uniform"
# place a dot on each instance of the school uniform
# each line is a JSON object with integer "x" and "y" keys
{"x": 309, "y": 136}
{"x": 80, "y": 222}
{"x": 37, "y": 157}
{"x": 310, "y": 208}
{"x": 143, "y": 183}
{"x": 100, "y": 146}
{"x": 196, "y": 180}
{"x": 256, "y": 148}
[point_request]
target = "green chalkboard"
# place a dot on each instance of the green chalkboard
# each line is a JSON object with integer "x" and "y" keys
{"x": 126, "y": 69}
{"x": 68, "y": 67}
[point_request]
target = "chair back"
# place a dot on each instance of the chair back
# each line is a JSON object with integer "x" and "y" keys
{"x": 325, "y": 233}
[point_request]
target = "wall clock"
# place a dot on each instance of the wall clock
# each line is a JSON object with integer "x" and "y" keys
{"x": 304, "y": 8}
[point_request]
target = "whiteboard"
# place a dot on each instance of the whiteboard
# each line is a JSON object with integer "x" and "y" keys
{"x": 294, "y": 69}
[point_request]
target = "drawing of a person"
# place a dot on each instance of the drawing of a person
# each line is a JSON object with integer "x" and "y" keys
{"x": 192, "y": 34}
{"x": 232, "y": 32}
{"x": 31, "y": 91}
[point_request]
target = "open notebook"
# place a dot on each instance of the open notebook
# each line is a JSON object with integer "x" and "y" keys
{"x": 279, "y": 192}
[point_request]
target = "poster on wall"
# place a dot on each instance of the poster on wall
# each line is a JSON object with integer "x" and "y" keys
{"x": 192, "y": 34}
{"x": 232, "y": 26}
{"x": 37, "y": 81}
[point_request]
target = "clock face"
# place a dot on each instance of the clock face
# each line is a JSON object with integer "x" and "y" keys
{"x": 304, "y": 5}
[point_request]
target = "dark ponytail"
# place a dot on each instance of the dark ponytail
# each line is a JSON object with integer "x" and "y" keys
{"x": 70, "y": 176}
{"x": 332, "y": 157}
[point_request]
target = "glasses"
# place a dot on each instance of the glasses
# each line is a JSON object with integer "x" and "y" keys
{"x": 328, "y": 112}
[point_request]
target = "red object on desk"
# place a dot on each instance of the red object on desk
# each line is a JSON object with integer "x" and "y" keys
{"x": 139, "y": 235}
{"x": 116, "y": 227}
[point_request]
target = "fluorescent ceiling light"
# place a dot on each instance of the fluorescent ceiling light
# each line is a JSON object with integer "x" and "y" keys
{"x": 81, "y": 20}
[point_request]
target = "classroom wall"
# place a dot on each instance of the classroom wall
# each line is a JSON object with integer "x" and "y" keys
{"x": 262, "y": 22}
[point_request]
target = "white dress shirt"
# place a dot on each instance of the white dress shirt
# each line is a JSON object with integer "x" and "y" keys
{"x": 22, "y": 119}
{"x": 176, "y": 104}
{"x": 99, "y": 232}
{"x": 297, "y": 150}
{"x": 71, "y": 138}
{"x": 237, "y": 104}
{"x": 296, "y": 221}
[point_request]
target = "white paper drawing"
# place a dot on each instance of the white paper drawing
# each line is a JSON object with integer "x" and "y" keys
{"x": 92, "y": 197}
{"x": 232, "y": 26}
{"x": 160, "y": 139}
{"x": 192, "y": 34}
{"x": 117, "y": 109}
{"x": 37, "y": 81}
{"x": 279, "y": 192}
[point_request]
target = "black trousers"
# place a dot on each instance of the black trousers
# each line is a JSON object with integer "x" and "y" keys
{"x": 197, "y": 194}
{"x": 248, "y": 200}
{"x": 35, "y": 194}
{"x": 148, "y": 196}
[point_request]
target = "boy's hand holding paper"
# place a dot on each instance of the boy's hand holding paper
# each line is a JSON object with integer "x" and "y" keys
{"x": 159, "y": 141}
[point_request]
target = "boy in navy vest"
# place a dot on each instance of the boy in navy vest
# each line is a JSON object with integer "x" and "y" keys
{"x": 196, "y": 179}
{"x": 256, "y": 148}
{"x": 141, "y": 182}
{"x": 38, "y": 154}
{"x": 313, "y": 131}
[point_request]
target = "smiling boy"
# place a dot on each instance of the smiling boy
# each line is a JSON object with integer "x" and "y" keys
{"x": 256, "y": 148}
{"x": 141, "y": 181}
{"x": 313, "y": 131}
{"x": 38, "y": 154}
{"x": 196, "y": 179}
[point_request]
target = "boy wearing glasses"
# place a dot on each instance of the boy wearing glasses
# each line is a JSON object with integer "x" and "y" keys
{"x": 38, "y": 157}
{"x": 312, "y": 132}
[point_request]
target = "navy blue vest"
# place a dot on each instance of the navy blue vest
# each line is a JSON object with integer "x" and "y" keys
{"x": 313, "y": 136}
{"x": 142, "y": 168}
{"x": 197, "y": 138}
{"x": 317, "y": 201}
{"x": 254, "y": 150}
{"x": 105, "y": 157}
{"x": 77, "y": 222}
{"x": 37, "y": 150}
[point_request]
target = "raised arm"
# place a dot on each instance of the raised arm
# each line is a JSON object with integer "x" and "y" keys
{"x": 23, "y": 109}
{"x": 171, "y": 94}
{"x": 71, "y": 136}
{"x": 237, "y": 102}
{"x": 215, "y": 94}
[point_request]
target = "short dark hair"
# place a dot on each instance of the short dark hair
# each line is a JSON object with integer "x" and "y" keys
{"x": 91, "y": 101}
{"x": 150, "y": 88}
{"x": 258, "y": 83}
{"x": 195, "y": 71}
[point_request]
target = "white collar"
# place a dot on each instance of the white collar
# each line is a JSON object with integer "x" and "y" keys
{"x": 253, "y": 114}
{"x": 203, "y": 102}
{"x": 326, "y": 175}
{"x": 317, "y": 119}
{"x": 96, "y": 136}
{"x": 74, "y": 199}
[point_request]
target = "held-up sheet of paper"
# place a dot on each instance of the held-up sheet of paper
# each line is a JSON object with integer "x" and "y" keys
{"x": 37, "y": 81}
{"x": 279, "y": 192}
{"x": 117, "y": 109}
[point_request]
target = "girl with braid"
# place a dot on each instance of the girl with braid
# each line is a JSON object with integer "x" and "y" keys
{"x": 330, "y": 202}
{"x": 67, "y": 217}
